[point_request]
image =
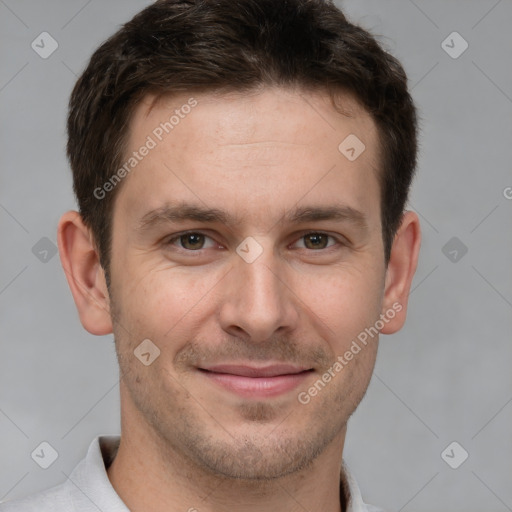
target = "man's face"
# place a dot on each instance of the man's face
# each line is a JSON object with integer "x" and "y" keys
{"x": 234, "y": 299}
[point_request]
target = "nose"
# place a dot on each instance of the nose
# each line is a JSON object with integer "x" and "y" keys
{"x": 259, "y": 299}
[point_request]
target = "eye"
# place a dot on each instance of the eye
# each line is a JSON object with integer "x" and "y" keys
{"x": 191, "y": 241}
{"x": 194, "y": 241}
{"x": 317, "y": 240}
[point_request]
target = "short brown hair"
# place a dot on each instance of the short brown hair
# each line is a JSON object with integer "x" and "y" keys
{"x": 175, "y": 46}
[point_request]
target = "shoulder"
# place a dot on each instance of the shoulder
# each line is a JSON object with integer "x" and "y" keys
{"x": 87, "y": 488}
{"x": 55, "y": 499}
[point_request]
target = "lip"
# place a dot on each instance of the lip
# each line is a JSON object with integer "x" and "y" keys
{"x": 257, "y": 382}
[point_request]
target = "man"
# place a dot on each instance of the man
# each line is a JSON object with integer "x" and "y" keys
{"x": 241, "y": 170}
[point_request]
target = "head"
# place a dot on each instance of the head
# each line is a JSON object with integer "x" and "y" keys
{"x": 236, "y": 114}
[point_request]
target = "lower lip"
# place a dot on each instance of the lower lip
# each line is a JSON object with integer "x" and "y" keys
{"x": 257, "y": 387}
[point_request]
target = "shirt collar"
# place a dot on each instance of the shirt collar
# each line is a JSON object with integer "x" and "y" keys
{"x": 90, "y": 478}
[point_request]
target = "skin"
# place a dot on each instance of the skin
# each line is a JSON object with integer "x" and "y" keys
{"x": 186, "y": 441}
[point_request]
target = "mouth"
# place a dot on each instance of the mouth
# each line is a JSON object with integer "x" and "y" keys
{"x": 257, "y": 382}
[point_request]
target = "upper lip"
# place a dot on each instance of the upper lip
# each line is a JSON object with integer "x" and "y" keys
{"x": 272, "y": 370}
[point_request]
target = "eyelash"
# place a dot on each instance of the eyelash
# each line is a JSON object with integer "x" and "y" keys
{"x": 338, "y": 241}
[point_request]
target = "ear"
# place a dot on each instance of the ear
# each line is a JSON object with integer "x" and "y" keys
{"x": 84, "y": 273}
{"x": 400, "y": 272}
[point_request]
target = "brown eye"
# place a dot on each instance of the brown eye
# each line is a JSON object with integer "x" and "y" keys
{"x": 316, "y": 240}
{"x": 191, "y": 241}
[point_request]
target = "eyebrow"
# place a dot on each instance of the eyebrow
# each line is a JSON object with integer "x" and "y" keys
{"x": 184, "y": 211}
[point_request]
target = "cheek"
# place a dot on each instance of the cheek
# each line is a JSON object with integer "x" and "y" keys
{"x": 346, "y": 301}
{"x": 164, "y": 302}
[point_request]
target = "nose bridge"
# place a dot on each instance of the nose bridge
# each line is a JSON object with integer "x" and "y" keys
{"x": 260, "y": 302}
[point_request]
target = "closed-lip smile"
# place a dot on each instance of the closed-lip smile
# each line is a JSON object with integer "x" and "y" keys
{"x": 252, "y": 381}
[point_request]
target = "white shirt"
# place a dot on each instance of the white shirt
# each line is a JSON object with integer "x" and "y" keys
{"x": 88, "y": 488}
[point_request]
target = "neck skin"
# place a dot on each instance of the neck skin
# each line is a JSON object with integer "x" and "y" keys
{"x": 146, "y": 480}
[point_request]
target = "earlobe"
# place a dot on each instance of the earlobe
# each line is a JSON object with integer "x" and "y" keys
{"x": 84, "y": 273}
{"x": 400, "y": 272}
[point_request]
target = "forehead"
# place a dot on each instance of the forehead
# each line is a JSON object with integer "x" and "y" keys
{"x": 274, "y": 147}
{"x": 243, "y": 116}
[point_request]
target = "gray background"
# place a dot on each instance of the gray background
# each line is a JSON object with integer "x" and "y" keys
{"x": 445, "y": 377}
